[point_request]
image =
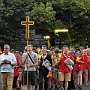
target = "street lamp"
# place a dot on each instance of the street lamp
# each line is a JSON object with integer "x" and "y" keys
{"x": 48, "y": 38}
{"x": 61, "y": 30}
{"x": 64, "y": 30}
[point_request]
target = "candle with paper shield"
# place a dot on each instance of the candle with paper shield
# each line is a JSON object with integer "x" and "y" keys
{"x": 78, "y": 59}
{"x": 59, "y": 55}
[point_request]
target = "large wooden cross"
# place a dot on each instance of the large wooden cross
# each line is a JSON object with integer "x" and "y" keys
{"x": 27, "y": 23}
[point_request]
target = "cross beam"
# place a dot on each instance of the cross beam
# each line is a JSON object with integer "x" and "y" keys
{"x": 27, "y": 23}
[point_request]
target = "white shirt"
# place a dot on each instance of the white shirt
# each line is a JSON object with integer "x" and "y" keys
{"x": 8, "y": 67}
{"x": 34, "y": 57}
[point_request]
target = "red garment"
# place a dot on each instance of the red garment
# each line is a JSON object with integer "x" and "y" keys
{"x": 79, "y": 66}
{"x": 88, "y": 55}
{"x": 85, "y": 66}
{"x": 16, "y": 72}
{"x": 88, "y": 62}
{"x": 63, "y": 67}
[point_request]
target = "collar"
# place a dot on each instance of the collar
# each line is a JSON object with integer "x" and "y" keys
{"x": 7, "y": 53}
{"x": 65, "y": 54}
{"x": 44, "y": 56}
{"x": 30, "y": 52}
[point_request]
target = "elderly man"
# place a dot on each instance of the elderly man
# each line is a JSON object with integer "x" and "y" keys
{"x": 7, "y": 62}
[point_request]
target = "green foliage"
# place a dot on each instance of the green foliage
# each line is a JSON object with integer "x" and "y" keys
{"x": 42, "y": 13}
{"x": 11, "y": 13}
{"x": 48, "y": 15}
{"x": 75, "y": 14}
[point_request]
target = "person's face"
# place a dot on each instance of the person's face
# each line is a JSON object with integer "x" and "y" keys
{"x": 78, "y": 53}
{"x": 44, "y": 49}
{"x": 65, "y": 49}
{"x": 72, "y": 49}
{"x": 84, "y": 51}
{"x": 56, "y": 54}
{"x": 88, "y": 52}
{"x": 38, "y": 50}
{"x": 6, "y": 49}
{"x": 81, "y": 49}
{"x": 52, "y": 52}
{"x": 29, "y": 47}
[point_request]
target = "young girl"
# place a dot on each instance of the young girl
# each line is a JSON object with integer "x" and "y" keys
{"x": 78, "y": 68}
{"x": 85, "y": 74}
{"x": 88, "y": 55}
{"x": 64, "y": 70}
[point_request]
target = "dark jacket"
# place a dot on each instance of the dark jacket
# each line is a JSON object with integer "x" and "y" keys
{"x": 43, "y": 69}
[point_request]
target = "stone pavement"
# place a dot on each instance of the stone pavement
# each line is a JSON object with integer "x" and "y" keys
{"x": 84, "y": 87}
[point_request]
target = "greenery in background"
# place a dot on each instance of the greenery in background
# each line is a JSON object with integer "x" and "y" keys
{"x": 48, "y": 15}
{"x": 76, "y": 15}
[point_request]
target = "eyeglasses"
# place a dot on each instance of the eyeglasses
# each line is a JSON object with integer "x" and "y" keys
{"x": 6, "y": 48}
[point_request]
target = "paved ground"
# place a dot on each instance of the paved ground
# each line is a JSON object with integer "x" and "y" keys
{"x": 0, "y": 85}
{"x": 84, "y": 87}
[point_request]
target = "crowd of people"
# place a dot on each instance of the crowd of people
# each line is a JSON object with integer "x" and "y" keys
{"x": 45, "y": 69}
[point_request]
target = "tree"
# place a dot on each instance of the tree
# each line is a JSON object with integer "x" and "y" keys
{"x": 75, "y": 14}
{"x": 48, "y": 16}
{"x": 11, "y": 13}
{"x": 43, "y": 15}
